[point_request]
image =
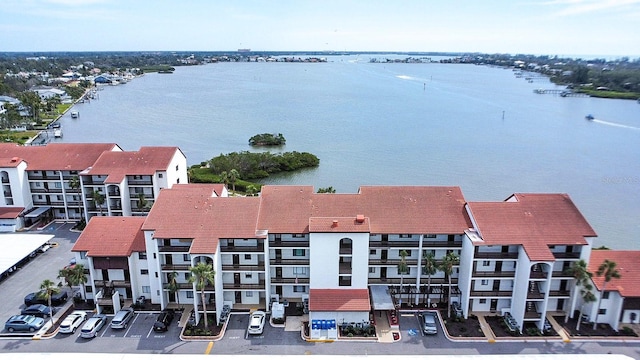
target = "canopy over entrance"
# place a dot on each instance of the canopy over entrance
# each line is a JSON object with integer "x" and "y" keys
{"x": 37, "y": 212}
{"x": 381, "y": 297}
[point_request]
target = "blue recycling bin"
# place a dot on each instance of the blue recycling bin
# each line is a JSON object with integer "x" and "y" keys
{"x": 314, "y": 325}
{"x": 332, "y": 324}
{"x": 323, "y": 325}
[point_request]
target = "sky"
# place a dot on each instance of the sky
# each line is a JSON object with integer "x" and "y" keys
{"x": 542, "y": 27}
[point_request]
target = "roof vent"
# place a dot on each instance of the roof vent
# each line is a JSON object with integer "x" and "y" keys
{"x": 14, "y": 159}
{"x": 360, "y": 218}
{"x": 335, "y": 223}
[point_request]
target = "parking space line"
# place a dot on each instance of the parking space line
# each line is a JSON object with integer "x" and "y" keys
{"x": 209, "y": 347}
{"x": 149, "y": 333}
{"x": 131, "y": 323}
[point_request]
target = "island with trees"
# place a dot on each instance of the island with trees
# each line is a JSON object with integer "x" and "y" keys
{"x": 267, "y": 140}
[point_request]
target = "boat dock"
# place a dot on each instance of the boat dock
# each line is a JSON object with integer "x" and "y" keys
{"x": 561, "y": 92}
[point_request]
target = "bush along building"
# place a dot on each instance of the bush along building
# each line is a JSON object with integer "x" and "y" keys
{"x": 344, "y": 258}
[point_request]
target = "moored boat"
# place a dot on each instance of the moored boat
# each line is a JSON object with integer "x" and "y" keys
{"x": 589, "y": 117}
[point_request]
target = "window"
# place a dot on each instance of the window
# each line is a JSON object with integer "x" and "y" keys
{"x": 299, "y": 271}
{"x": 83, "y": 255}
{"x": 144, "y": 271}
{"x": 602, "y": 311}
{"x": 605, "y": 295}
{"x": 484, "y": 282}
{"x": 372, "y": 270}
{"x": 298, "y": 289}
{"x": 486, "y": 263}
{"x": 248, "y": 275}
{"x": 247, "y": 256}
{"x": 405, "y": 236}
{"x": 156, "y": 274}
{"x": 186, "y": 257}
{"x": 146, "y": 289}
{"x": 160, "y": 175}
{"x": 178, "y": 181}
{"x": 57, "y": 185}
{"x": 186, "y": 277}
{"x": 373, "y": 252}
{"x": 154, "y": 255}
{"x": 142, "y": 255}
{"x": 298, "y": 235}
{"x": 298, "y": 252}
{"x": 249, "y": 294}
{"x": 430, "y": 236}
{"x": 176, "y": 167}
{"x": 190, "y": 294}
{"x": 482, "y": 301}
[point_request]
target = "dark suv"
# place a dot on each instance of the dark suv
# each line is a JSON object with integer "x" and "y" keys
{"x": 163, "y": 321}
{"x": 39, "y": 298}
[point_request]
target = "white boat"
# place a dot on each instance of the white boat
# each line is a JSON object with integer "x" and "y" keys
{"x": 75, "y": 114}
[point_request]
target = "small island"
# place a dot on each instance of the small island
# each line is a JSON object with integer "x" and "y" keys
{"x": 267, "y": 140}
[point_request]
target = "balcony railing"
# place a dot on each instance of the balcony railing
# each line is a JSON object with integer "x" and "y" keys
{"x": 490, "y": 274}
{"x": 289, "y": 262}
{"x": 441, "y": 244}
{"x": 395, "y": 244}
{"x": 175, "y": 267}
{"x": 240, "y": 286}
{"x": 538, "y": 275}
{"x": 561, "y": 274}
{"x": 437, "y": 281}
{"x": 532, "y": 315}
{"x": 131, "y": 181}
{"x": 567, "y": 255}
{"x": 535, "y": 295}
{"x": 281, "y": 280}
{"x": 243, "y": 267}
{"x": 173, "y": 249}
{"x": 345, "y": 268}
{"x": 112, "y": 283}
{"x": 182, "y": 286}
{"x": 241, "y": 249}
{"x": 559, "y": 293}
{"x": 394, "y": 262}
{"x": 287, "y": 244}
{"x": 485, "y": 294}
{"x": 495, "y": 255}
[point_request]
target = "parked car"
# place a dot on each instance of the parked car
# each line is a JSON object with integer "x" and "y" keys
{"x": 163, "y": 321}
{"x": 23, "y": 323}
{"x": 456, "y": 309}
{"x": 256, "y": 322}
{"x": 38, "y": 310}
{"x": 92, "y": 326}
{"x": 72, "y": 322}
{"x": 122, "y": 318}
{"x": 39, "y": 298}
{"x": 429, "y": 326}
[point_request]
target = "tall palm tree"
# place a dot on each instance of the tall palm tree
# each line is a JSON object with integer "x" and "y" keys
{"x": 403, "y": 268}
{"x": 587, "y": 297}
{"x": 65, "y": 274}
{"x": 429, "y": 268}
{"x": 74, "y": 184}
{"x": 234, "y": 175}
{"x": 446, "y": 265}
{"x": 78, "y": 277}
{"x": 224, "y": 178}
{"x": 173, "y": 286}
{"x": 48, "y": 289}
{"x": 98, "y": 199}
{"x": 580, "y": 275}
{"x": 609, "y": 271}
{"x": 202, "y": 275}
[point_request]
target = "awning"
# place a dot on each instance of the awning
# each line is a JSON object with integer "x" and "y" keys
{"x": 381, "y": 297}
{"x": 38, "y": 211}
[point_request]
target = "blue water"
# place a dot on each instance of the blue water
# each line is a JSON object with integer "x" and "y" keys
{"x": 416, "y": 124}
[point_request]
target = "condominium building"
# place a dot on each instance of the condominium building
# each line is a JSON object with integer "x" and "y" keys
{"x": 340, "y": 256}
{"x": 60, "y": 181}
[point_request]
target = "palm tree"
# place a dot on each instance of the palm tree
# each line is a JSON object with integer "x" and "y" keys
{"x": 251, "y": 190}
{"x": 173, "y": 286}
{"x": 74, "y": 184}
{"x": 446, "y": 265}
{"x": 234, "y": 175}
{"x": 587, "y": 297}
{"x": 49, "y": 288}
{"x": 403, "y": 268}
{"x": 224, "y": 178}
{"x": 78, "y": 277}
{"x": 65, "y": 274}
{"x": 609, "y": 271}
{"x": 429, "y": 268}
{"x": 580, "y": 275}
{"x": 202, "y": 275}
{"x": 98, "y": 199}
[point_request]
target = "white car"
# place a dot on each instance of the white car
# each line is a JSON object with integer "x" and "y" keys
{"x": 256, "y": 322}
{"x": 72, "y": 322}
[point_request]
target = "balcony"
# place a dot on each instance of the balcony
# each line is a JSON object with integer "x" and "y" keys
{"x": 535, "y": 295}
{"x": 289, "y": 244}
{"x": 242, "y": 249}
{"x": 492, "y": 274}
{"x": 131, "y": 181}
{"x": 240, "y": 286}
{"x": 289, "y": 281}
{"x": 437, "y": 281}
{"x": 5, "y": 180}
{"x": 561, "y": 274}
{"x": 182, "y": 286}
{"x": 289, "y": 262}
{"x": 345, "y": 268}
{"x": 567, "y": 255}
{"x": 559, "y": 293}
{"x": 538, "y": 275}
{"x": 495, "y": 255}
{"x": 393, "y": 262}
{"x": 532, "y": 316}
{"x": 174, "y": 249}
{"x": 442, "y": 244}
{"x": 395, "y": 244}
{"x": 112, "y": 283}
{"x": 243, "y": 267}
{"x": 176, "y": 267}
{"x": 491, "y": 294}
{"x": 345, "y": 250}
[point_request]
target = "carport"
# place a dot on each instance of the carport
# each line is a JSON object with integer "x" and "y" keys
{"x": 17, "y": 247}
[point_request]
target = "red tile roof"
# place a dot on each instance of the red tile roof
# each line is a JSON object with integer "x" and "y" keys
{"x": 338, "y": 224}
{"x": 10, "y": 162}
{"x": 111, "y": 236}
{"x": 10, "y": 212}
{"x": 390, "y": 209}
{"x": 339, "y": 300}
{"x": 534, "y": 221}
{"x": 57, "y": 156}
{"x": 627, "y": 265}
{"x": 194, "y": 211}
{"x": 146, "y": 161}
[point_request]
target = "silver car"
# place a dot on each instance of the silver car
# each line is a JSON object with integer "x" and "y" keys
{"x": 92, "y": 326}
{"x": 429, "y": 326}
{"x": 122, "y": 318}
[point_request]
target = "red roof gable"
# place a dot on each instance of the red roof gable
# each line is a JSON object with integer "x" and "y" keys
{"x": 146, "y": 161}
{"x": 112, "y": 236}
{"x": 10, "y": 212}
{"x": 339, "y": 300}
{"x": 57, "y": 156}
{"x": 534, "y": 221}
{"x": 390, "y": 209}
{"x": 626, "y": 264}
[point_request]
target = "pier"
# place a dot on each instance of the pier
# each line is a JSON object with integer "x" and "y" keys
{"x": 561, "y": 92}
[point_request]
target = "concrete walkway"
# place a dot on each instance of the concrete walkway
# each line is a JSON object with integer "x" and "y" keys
{"x": 383, "y": 330}
{"x": 559, "y": 329}
{"x": 486, "y": 329}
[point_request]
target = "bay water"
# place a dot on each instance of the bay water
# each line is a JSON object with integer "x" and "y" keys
{"x": 477, "y": 127}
